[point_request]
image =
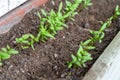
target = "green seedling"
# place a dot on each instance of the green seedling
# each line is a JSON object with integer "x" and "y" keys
{"x": 80, "y": 58}
{"x": 6, "y": 53}
{"x": 26, "y": 41}
{"x": 53, "y": 20}
{"x": 105, "y": 25}
{"x": 44, "y": 34}
{"x": 86, "y": 3}
{"x": 117, "y": 12}
{"x": 71, "y": 7}
{"x": 100, "y": 34}
{"x": 87, "y": 45}
{"x": 97, "y": 36}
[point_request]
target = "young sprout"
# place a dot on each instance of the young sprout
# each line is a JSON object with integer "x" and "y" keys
{"x": 117, "y": 12}
{"x": 97, "y": 36}
{"x": 70, "y": 8}
{"x": 86, "y": 3}
{"x": 80, "y": 58}
{"x": 54, "y": 20}
{"x": 44, "y": 34}
{"x": 6, "y": 53}
{"x": 26, "y": 41}
{"x": 50, "y": 24}
{"x": 87, "y": 45}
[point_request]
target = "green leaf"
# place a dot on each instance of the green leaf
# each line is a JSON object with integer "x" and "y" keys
{"x": 104, "y": 26}
{"x": 90, "y": 47}
{"x": 68, "y": 3}
{"x": 83, "y": 65}
{"x": 4, "y": 56}
{"x": 74, "y": 58}
{"x": 25, "y": 42}
{"x": 8, "y": 47}
{"x": 33, "y": 47}
{"x": 25, "y": 36}
{"x": 60, "y": 7}
{"x": 43, "y": 12}
{"x": 79, "y": 55}
{"x": 1, "y": 63}
{"x": 86, "y": 58}
{"x": 70, "y": 65}
{"x": 12, "y": 51}
{"x": 81, "y": 48}
{"x": 102, "y": 35}
{"x": 78, "y": 63}
{"x": 78, "y": 1}
{"x": 59, "y": 28}
{"x": 83, "y": 61}
{"x": 49, "y": 35}
{"x": 87, "y": 42}
{"x": 25, "y": 47}
{"x": 86, "y": 53}
{"x": 18, "y": 40}
{"x": 4, "y": 49}
{"x": 117, "y": 8}
{"x": 38, "y": 14}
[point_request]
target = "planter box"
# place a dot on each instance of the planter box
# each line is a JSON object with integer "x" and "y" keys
{"x": 14, "y": 16}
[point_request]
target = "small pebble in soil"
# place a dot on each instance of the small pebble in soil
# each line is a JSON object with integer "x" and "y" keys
{"x": 10, "y": 67}
{"x": 86, "y": 25}
{"x": 17, "y": 71}
{"x": 22, "y": 70}
{"x": 63, "y": 37}
{"x": 55, "y": 55}
{"x": 63, "y": 75}
{"x": 55, "y": 67}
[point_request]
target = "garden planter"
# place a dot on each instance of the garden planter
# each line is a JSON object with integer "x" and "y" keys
{"x": 14, "y": 16}
{"x": 49, "y": 59}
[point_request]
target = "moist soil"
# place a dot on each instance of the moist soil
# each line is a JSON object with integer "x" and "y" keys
{"x": 49, "y": 60}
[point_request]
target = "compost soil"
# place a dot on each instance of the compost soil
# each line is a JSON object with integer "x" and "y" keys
{"x": 49, "y": 60}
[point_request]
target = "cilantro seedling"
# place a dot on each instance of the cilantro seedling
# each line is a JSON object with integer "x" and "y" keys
{"x": 70, "y": 8}
{"x": 96, "y": 36}
{"x": 54, "y": 21}
{"x": 44, "y": 34}
{"x": 6, "y": 53}
{"x": 117, "y": 12}
{"x": 86, "y": 3}
{"x": 26, "y": 41}
{"x": 80, "y": 58}
{"x": 87, "y": 45}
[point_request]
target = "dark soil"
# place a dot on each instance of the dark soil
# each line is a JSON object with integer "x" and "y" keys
{"x": 49, "y": 60}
